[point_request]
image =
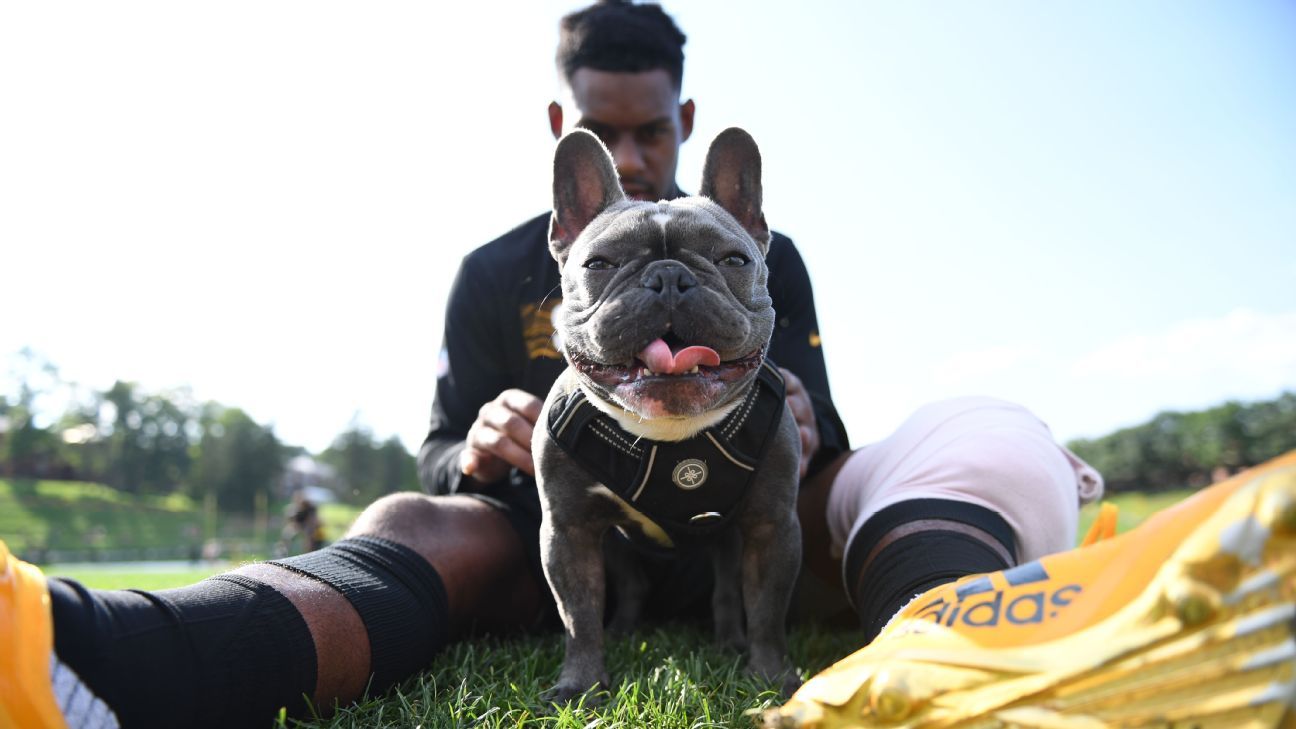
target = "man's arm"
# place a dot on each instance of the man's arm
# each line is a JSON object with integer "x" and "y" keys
{"x": 472, "y": 372}
{"x": 796, "y": 347}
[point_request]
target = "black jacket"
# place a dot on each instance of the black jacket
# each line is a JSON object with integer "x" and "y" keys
{"x": 498, "y": 335}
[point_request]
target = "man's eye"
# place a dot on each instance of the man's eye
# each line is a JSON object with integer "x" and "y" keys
{"x": 736, "y": 260}
{"x": 648, "y": 134}
{"x": 606, "y": 135}
{"x": 600, "y": 264}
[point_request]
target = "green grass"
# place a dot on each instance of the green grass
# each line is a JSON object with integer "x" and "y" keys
{"x": 77, "y": 515}
{"x": 670, "y": 677}
{"x": 666, "y": 677}
{"x": 1134, "y": 508}
{"x": 74, "y": 515}
{"x": 337, "y": 519}
{"x": 111, "y": 579}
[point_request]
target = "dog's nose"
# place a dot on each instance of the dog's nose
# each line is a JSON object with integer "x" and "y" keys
{"x": 668, "y": 278}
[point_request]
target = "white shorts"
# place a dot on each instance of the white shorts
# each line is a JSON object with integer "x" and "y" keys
{"x": 978, "y": 450}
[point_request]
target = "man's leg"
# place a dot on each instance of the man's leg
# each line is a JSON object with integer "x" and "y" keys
{"x": 320, "y": 624}
{"x": 896, "y": 554}
{"x": 963, "y": 486}
{"x": 478, "y": 556}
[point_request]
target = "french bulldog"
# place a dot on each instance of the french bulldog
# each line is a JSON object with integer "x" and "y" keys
{"x": 668, "y": 425}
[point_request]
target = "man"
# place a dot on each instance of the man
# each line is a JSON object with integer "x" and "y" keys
{"x": 301, "y": 518}
{"x": 622, "y": 68}
{"x": 416, "y": 571}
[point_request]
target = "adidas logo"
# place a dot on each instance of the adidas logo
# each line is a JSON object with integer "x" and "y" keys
{"x": 979, "y": 604}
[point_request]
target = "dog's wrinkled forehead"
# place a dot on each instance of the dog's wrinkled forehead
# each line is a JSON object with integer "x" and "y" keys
{"x": 663, "y": 230}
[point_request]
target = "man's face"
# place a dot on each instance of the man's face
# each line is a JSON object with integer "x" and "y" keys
{"x": 640, "y": 119}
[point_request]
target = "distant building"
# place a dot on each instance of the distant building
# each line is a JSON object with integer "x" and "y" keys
{"x": 317, "y": 480}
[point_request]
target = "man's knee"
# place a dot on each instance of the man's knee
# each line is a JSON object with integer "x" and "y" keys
{"x": 472, "y": 545}
{"x": 395, "y": 513}
{"x": 431, "y": 525}
{"x": 398, "y": 513}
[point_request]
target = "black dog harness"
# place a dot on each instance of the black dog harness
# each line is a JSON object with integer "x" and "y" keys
{"x": 689, "y": 488}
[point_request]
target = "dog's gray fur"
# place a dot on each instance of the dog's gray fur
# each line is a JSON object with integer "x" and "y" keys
{"x": 672, "y": 272}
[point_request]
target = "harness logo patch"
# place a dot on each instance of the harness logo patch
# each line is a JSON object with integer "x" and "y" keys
{"x": 689, "y": 474}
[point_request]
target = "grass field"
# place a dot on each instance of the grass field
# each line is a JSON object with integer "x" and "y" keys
{"x": 90, "y": 519}
{"x": 113, "y": 579}
{"x": 78, "y": 515}
{"x": 670, "y": 677}
{"x": 667, "y": 677}
{"x": 1134, "y": 508}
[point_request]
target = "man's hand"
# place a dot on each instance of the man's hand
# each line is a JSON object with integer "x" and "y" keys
{"x": 798, "y": 401}
{"x": 500, "y": 438}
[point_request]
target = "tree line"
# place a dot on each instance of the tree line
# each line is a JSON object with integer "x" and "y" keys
{"x": 1175, "y": 450}
{"x": 166, "y": 442}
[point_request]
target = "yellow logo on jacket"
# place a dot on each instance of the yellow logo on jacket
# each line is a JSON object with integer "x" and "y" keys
{"x": 538, "y": 329}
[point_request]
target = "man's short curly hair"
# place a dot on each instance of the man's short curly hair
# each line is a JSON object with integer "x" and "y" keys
{"x": 620, "y": 35}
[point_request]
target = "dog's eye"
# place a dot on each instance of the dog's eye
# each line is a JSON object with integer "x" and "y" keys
{"x": 600, "y": 264}
{"x": 735, "y": 260}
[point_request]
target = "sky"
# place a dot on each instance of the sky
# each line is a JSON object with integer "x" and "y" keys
{"x": 1085, "y": 207}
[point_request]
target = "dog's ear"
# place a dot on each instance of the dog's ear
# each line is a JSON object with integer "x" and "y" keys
{"x": 732, "y": 178}
{"x": 585, "y": 183}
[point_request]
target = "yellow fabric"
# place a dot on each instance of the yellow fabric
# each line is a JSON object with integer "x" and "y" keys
{"x": 1104, "y": 526}
{"x": 26, "y": 646}
{"x": 1188, "y": 618}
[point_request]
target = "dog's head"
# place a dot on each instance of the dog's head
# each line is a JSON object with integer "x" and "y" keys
{"x": 666, "y": 312}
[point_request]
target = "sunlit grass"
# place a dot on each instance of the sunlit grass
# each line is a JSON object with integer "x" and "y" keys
{"x": 85, "y": 518}
{"x": 1134, "y": 508}
{"x": 670, "y": 676}
{"x": 80, "y": 515}
{"x": 111, "y": 579}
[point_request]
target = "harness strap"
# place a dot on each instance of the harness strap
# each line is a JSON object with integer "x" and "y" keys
{"x": 689, "y": 488}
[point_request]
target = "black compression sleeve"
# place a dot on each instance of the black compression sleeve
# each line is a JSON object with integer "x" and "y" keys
{"x": 910, "y": 547}
{"x": 399, "y": 596}
{"x": 226, "y": 652}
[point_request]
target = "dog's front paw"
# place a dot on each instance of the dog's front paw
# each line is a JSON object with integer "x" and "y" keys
{"x": 587, "y": 694}
{"x": 785, "y": 677}
{"x": 791, "y": 682}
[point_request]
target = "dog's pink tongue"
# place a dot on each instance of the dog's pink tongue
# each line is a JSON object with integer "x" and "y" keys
{"x": 659, "y": 359}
